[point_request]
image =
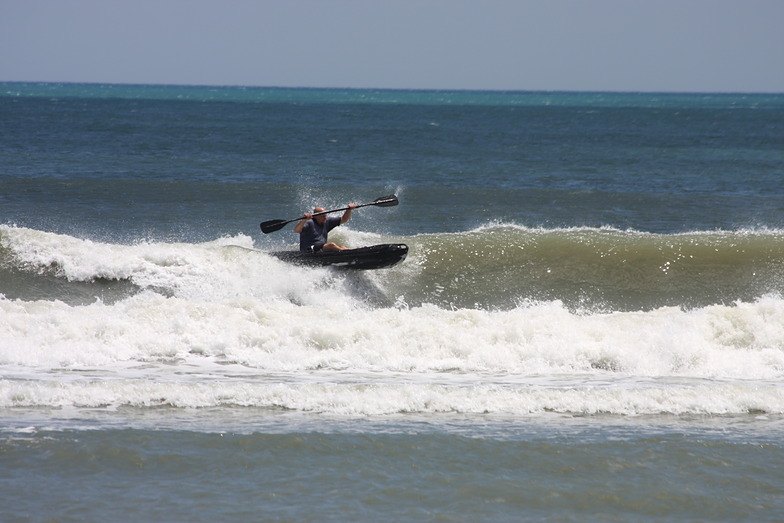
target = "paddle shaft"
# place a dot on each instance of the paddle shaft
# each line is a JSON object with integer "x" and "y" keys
{"x": 275, "y": 225}
{"x": 333, "y": 210}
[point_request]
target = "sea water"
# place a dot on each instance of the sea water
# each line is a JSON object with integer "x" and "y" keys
{"x": 589, "y": 324}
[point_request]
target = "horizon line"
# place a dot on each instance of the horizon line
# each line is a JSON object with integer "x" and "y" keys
{"x": 398, "y": 89}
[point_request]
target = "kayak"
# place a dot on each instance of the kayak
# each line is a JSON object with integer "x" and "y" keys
{"x": 363, "y": 258}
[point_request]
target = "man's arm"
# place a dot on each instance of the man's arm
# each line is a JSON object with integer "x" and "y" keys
{"x": 347, "y": 215}
{"x": 301, "y": 224}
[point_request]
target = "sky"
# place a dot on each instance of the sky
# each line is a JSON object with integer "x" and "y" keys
{"x": 551, "y": 45}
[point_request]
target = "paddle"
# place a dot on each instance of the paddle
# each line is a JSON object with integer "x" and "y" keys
{"x": 276, "y": 225}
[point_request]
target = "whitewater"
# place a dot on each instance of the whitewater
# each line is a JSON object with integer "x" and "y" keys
{"x": 222, "y": 324}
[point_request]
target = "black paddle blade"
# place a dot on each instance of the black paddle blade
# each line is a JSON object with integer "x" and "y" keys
{"x": 272, "y": 225}
{"x": 386, "y": 201}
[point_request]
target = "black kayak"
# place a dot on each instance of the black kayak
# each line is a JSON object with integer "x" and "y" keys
{"x": 373, "y": 257}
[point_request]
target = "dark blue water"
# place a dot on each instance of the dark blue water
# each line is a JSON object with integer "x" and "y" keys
{"x": 656, "y": 163}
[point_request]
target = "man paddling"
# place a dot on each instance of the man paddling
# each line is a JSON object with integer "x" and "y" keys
{"x": 313, "y": 230}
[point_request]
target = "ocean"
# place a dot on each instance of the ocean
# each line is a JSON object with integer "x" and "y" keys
{"x": 589, "y": 325}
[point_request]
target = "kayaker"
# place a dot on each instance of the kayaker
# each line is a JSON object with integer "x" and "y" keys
{"x": 313, "y": 230}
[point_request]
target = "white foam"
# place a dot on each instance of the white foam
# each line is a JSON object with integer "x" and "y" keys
{"x": 214, "y": 270}
{"x": 383, "y": 398}
{"x": 743, "y": 341}
{"x": 237, "y": 327}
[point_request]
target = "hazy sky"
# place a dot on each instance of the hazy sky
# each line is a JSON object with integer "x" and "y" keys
{"x": 607, "y": 45}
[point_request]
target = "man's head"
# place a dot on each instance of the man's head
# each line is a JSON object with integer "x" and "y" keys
{"x": 321, "y": 218}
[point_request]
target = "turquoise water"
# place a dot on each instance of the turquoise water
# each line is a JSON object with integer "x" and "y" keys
{"x": 199, "y": 93}
{"x": 589, "y": 325}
